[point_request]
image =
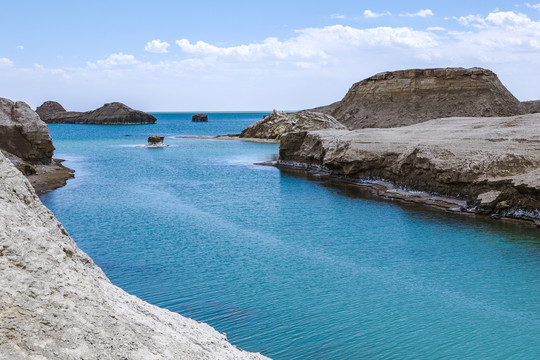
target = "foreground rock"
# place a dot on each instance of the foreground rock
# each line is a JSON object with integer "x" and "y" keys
{"x": 493, "y": 163}
{"x": 23, "y": 134}
{"x": 55, "y": 303}
{"x": 277, "y": 123}
{"x": 409, "y": 97}
{"x": 199, "y": 118}
{"x": 114, "y": 113}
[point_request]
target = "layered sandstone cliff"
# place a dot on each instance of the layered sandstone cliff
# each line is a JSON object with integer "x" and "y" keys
{"x": 55, "y": 303}
{"x": 494, "y": 163}
{"x": 277, "y": 123}
{"x": 408, "y": 97}
{"x": 114, "y": 113}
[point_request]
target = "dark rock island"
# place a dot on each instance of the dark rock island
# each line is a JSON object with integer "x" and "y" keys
{"x": 114, "y": 113}
{"x": 199, "y": 118}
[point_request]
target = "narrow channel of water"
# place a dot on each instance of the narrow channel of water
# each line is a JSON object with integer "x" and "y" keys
{"x": 286, "y": 265}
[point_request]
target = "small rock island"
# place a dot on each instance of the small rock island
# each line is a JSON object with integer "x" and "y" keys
{"x": 114, "y": 113}
{"x": 156, "y": 141}
{"x": 199, "y": 118}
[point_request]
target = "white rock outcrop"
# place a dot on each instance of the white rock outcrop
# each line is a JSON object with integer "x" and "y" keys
{"x": 277, "y": 123}
{"x": 55, "y": 303}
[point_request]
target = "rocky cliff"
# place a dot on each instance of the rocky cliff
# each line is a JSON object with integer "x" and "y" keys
{"x": 114, "y": 113}
{"x": 408, "y": 97}
{"x": 493, "y": 163}
{"x": 277, "y": 123}
{"x": 55, "y": 303}
{"x": 22, "y": 133}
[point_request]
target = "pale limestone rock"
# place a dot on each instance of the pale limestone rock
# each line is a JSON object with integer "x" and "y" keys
{"x": 55, "y": 303}
{"x": 452, "y": 156}
{"x": 277, "y": 123}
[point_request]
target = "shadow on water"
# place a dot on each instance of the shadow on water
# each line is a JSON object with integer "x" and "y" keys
{"x": 517, "y": 231}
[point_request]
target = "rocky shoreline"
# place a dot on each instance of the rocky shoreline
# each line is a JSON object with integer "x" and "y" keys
{"x": 490, "y": 163}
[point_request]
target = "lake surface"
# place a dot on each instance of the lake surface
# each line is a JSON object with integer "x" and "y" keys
{"x": 287, "y": 265}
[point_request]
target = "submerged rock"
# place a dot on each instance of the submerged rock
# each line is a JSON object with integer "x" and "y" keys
{"x": 114, "y": 113}
{"x": 407, "y": 97}
{"x": 55, "y": 303}
{"x": 494, "y": 163}
{"x": 277, "y": 123}
{"x": 22, "y": 133}
{"x": 199, "y": 118}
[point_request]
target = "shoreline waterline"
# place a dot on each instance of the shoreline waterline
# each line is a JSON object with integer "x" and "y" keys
{"x": 391, "y": 191}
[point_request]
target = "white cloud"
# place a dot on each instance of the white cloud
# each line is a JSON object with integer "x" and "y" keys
{"x": 157, "y": 46}
{"x": 337, "y": 16}
{"x": 336, "y": 56}
{"x": 315, "y": 43}
{"x": 368, "y": 14}
{"x": 534, "y": 6}
{"x": 117, "y": 59}
{"x": 5, "y": 63}
{"x": 20, "y": 47}
{"x": 420, "y": 13}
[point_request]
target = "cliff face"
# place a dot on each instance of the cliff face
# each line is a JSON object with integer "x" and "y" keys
{"x": 408, "y": 97}
{"x": 55, "y": 303}
{"x": 277, "y": 123}
{"x": 23, "y": 134}
{"x": 492, "y": 162}
{"x": 109, "y": 114}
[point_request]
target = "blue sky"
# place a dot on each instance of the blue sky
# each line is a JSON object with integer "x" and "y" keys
{"x": 247, "y": 55}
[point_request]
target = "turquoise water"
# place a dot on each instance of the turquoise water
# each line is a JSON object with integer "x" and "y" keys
{"x": 288, "y": 265}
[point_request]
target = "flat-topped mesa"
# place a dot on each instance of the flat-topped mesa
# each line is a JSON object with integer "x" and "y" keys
{"x": 114, "y": 113}
{"x": 277, "y": 123}
{"x": 22, "y": 133}
{"x": 407, "y": 97}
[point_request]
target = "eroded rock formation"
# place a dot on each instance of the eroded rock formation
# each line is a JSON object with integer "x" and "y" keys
{"x": 494, "y": 163}
{"x": 22, "y": 133}
{"x": 277, "y": 123}
{"x": 55, "y": 303}
{"x": 114, "y": 113}
{"x": 406, "y": 97}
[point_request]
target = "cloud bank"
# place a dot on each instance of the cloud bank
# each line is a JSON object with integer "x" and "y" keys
{"x": 313, "y": 67}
